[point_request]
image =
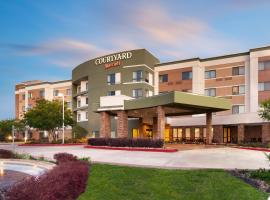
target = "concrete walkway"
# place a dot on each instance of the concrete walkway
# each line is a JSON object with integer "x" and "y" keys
{"x": 216, "y": 158}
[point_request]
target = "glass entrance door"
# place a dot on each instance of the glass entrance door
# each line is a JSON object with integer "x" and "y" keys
{"x": 227, "y": 135}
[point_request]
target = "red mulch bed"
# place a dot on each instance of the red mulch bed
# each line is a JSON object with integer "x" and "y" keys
{"x": 254, "y": 148}
{"x": 54, "y": 145}
{"x": 132, "y": 149}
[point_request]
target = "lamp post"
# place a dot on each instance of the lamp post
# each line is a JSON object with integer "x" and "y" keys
{"x": 63, "y": 133}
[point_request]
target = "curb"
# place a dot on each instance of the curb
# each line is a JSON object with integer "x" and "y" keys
{"x": 49, "y": 145}
{"x": 132, "y": 149}
{"x": 253, "y": 148}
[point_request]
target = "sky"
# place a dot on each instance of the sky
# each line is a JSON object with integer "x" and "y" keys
{"x": 46, "y": 39}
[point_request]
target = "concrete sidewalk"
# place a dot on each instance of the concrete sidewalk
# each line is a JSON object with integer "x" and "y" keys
{"x": 215, "y": 158}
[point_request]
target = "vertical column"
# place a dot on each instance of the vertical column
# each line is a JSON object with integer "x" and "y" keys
{"x": 209, "y": 133}
{"x": 265, "y": 132}
{"x": 122, "y": 124}
{"x": 141, "y": 135}
{"x": 105, "y": 125}
{"x": 218, "y": 134}
{"x": 160, "y": 122}
{"x": 240, "y": 133}
{"x": 197, "y": 78}
{"x": 253, "y": 82}
{"x": 154, "y": 129}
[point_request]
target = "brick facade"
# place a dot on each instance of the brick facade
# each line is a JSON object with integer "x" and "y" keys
{"x": 218, "y": 134}
{"x": 160, "y": 122}
{"x": 105, "y": 125}
{"x": 241, "y": 133}
{"x": 209, "y": 133}
{"x": 122, "y": 124}
{"x": 265, "y": 132}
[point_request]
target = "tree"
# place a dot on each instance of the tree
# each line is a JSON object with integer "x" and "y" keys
{"x": 6, "y": 127}
{"x": 47, "y": 116}
{"x": 264, "y": 112}
{"x": 78, "y": 132}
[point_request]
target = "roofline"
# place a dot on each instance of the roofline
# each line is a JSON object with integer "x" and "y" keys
{"x": 215, "y": 57}
{"x": 45, "y": 82}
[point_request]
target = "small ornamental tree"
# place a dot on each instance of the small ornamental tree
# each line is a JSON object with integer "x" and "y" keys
{"x": 48, "y": 116}
{"x": 6, "y": 127}
{"x": 264, "y": 111}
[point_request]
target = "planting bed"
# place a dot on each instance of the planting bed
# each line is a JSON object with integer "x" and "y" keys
{"x": 132, "y": 149}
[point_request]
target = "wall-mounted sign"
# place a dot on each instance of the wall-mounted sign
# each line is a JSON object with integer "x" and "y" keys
{"x": 114, "y": 59}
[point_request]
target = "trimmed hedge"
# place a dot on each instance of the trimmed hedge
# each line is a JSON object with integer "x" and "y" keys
{"x": 6, "y": 154}
{"x": 64, "y": 157}
{"x": 126, "y": 142}
{"x": 66, "y": 181}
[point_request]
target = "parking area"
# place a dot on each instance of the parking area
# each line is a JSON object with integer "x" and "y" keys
{"x": 215, "y": 158}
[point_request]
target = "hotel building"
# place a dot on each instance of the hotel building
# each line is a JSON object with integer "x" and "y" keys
{"x": 28, "y": 93}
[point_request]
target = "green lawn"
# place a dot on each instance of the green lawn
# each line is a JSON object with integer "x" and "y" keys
{"x": 109, "y": 182}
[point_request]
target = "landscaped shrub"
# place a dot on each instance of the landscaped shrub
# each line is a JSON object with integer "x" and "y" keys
{"x": 6, "y": 154}
{"x": 64, "y": 157}
{"x": 126, "y": 142}
{"x": 66, "y": 181}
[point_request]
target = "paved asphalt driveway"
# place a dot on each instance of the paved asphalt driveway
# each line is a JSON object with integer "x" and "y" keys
{"x": 219, "y": 158}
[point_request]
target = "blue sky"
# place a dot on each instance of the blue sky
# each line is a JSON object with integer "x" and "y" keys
{"x": 46, "y": 39}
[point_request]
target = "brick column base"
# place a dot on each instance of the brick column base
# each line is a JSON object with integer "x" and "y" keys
{"x": 160, "y": 122}
{"x": 240, "y": 133}
{"x": 209, "y": 133}
{"x": 105, "y": 125}
{"x": 218, "y": 134}
{"x": 141, "y": 128}
{"x": 122, "y": 124}
{"x": 265, "y": 132}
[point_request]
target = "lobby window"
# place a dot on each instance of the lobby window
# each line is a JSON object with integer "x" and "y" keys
{"x": 163, "y": 78}
{"x": 137, "y": 76}
{"x": 187, "y": 133}
{"x": 264, "y": 65}
{"x": 79, "y": 117}
{"x": 197, "y": 133}
{"x": 187, "y": 75}
{"x": 137, "y": 93}
{"x": 41, "y": 93}
{"x": 177, "y": 134}
{"x": 238, "y": 71}
{"x": 68, "y": 92}
{"x": 236, "y": 109}
{"x": 86, "y": 115}
{"x": 210, "y": 74}
{"x": 55, "y": 93}
{"x": 264, "y": 86}
{"x": 210, "y": 92}
{"x": 111, "y": 93}
{"x": 236, "y": 90}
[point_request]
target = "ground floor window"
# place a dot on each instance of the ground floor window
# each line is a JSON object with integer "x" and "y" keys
{"x": 197, "y": 133}
{"x": 135, "y": 133}
{"x": 187, "y": 133}
{"x": 177, "y": 134}
{"x": 226, "y": 135}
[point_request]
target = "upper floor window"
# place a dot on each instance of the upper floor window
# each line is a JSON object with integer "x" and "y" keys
{"x": 136, "y": 93}
{"x": 236, "y": 109}
{"x": 264, "y": 65}
{"x": 68, "y": 91}
{"x": 30, "y": 95}
{"x": 41, "y": 93}
{"x": 69, "y": 104}
{"x": 86, "y": 115}
{"x": 86, "y": 86}
{"x": 79, "y": 117}
{"x": 86, "y": 100}
{"x": 264, "y": 86}
{"x": 238, "y": 90}
{"x": 238, "y": 71}
{"x": 210, "y": 92}
{"x": 79, "y": 103}
{"x": 210, "y": 74}
{"x": 111, "y": 93}
{"x": 79, "y": 89}
{"x": 163, "y": 78}
{"x": 111, "y": 79}
{"x": 55, "y": 93}
{"x": 187, "y": 75}
{"x": 137, "y": 76}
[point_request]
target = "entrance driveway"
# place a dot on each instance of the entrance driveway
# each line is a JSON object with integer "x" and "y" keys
{"x": 217, "y": 158}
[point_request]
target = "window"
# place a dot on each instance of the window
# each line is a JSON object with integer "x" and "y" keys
{"x": 264, "y": 65}
{"x": 111, "y": 79}
{"x": 79, "y": 117}
{"x": 264, "y": 86}
{"x": 236, "y": 109}
{"x": 186, "y": 75}
{"x": 149, "y": 93}
{"x": 55, "y": 93}
{"x": 41, "y": 93}
{"x": 210, "y": 92}
{"x": 187, "y": 133}
{"x": 238, "y": 90}
{"x": 30, "y": 95}
{"x": 30, "y": 106}
{"x": 238, "y": 71}
{"x": 146, "y": 77}
{"x": 69, "y": 104}
{"x": 136, "y": 93}
{"x": 79, "y": 89}
{"x": 86, "y": 115}
{"x": 86, "y": 86}
{"x": 137, "y": 76}
{"x": 111, "y": 93}
{"x": 177, "y": 134}
{"x": 79, "y": 103}
{"x": 68, "y": 91}
{"x": 86, "y": 100}
{"x": 210, "y": 74}
{"x": 163, "y": 78}
{"x": 197, "y": 133}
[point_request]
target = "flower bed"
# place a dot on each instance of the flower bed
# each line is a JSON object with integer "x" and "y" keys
{"x": 65, "y": 181}
{"x": 126, "y": 142}
{"x": 165, "y": 150}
